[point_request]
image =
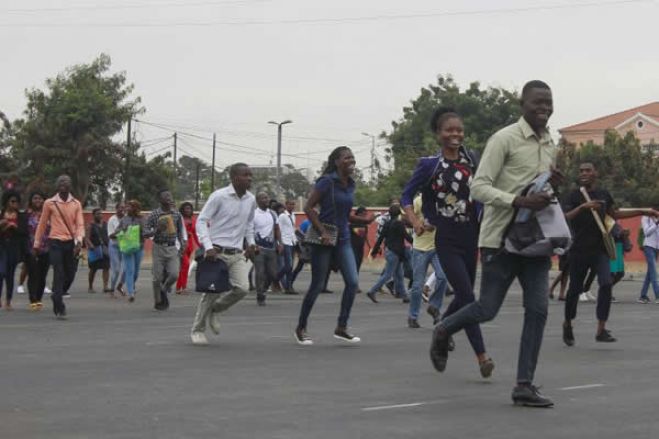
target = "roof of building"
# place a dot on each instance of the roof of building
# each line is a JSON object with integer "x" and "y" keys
{"x": 650, "y": 111}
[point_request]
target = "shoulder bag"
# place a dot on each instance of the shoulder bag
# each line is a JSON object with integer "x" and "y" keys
{"x": 314, "y": 238}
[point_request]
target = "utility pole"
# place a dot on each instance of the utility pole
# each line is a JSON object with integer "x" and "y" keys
{"x": 196, "y": 197}
{"x": 213, "y": 166}
{"x": 372, "y": 167}
{"x": 174, "y": 178}
{"x": 128, "y": 154}
{"x": 279, "y": 125}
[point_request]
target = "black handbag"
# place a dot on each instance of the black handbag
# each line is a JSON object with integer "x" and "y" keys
{"x": 212, "y": 276}
{"x": 314, "y": 238}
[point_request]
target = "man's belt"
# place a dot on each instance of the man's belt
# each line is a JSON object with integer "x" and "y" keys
{"x": 227, "y": 250}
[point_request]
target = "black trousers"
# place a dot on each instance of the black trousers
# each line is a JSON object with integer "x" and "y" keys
{"x": 65, "y": 265}
{"x": 579, "y": 266}
{"x": 37, "y": 269}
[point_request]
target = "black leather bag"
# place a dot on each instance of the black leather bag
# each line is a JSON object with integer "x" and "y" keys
{"x": 212, "y": 276}
{"x": 314, "y": 238}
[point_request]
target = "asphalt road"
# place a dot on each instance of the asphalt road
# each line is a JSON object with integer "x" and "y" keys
{"x": 120, "y": 370}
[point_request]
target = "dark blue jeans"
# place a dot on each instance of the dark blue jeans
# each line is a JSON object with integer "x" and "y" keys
{"x": 286, "y": 272}
{"x": 499, "y": 270}
{"x": 459, "y": 265}
{"x": 651, "y": 273}
{"x": 321, "y": 258}
{"x": 579, "y": 265}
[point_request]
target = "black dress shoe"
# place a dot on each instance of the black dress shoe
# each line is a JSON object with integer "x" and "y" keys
{"x": 605, "y": 337}
{"x": 529, "y": 395}
{"x": 439, "y": 348}
{"x": 434, "y": 313}
{"x": 412, "y": 323}
{"x": 371, "y": 295}
{"x": 568, "y": 335}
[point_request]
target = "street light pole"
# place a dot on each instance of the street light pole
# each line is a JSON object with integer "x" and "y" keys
{"x": 279, "y": 130}
{"x": 372, "y": 168}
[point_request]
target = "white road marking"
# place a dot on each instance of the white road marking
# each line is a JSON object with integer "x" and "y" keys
{"x": 585, "y": 386}
{"x": 395, "y": 406}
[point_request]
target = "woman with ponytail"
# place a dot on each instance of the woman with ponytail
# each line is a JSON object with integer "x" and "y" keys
{"x": 333, "y": 193}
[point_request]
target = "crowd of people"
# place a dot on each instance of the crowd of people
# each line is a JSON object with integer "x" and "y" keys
{"x": 455, "y": 205}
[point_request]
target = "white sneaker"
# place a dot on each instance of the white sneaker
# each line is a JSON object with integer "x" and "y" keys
{"x": 20, "y": 290}
{"x": 47, "y": 291}
{"x": 199, "y": 338}
{"x": 583, "y": 297}
{"x": 214, "y": 322}
{"x": 590, "y": 296}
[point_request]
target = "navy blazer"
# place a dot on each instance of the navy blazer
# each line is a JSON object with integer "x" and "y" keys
{"x": 420, "y": 181}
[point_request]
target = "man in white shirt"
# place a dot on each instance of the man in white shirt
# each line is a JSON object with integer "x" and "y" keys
{"x": 116, "y": 274}
{"x": 289, "y": 241}
{"x": 223, "y": 225}
{"x": 268, "y": 239}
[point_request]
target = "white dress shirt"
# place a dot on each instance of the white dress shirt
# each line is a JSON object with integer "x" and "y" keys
{"x": 650, "y": 231}
{"x": 264, "y": 224}
{"x": 287, "y": 228}
{"x": 113, "y": 223}
{"x": 226, "y": 219}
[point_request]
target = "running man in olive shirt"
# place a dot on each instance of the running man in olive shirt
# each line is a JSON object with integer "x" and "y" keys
{"x": 513, "y": 157}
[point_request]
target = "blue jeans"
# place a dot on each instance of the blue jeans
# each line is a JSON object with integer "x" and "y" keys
{"x": 286, "y": 273}
{"x": 131, "y": 268}
{"x": 393, "y": 268}
{"x": 651, "y": 273}
{"x": 321, "y": 258}
{"x": 116, "y": 272}
{"x": 499, "y": 270}
{"x": 420, "y": 262}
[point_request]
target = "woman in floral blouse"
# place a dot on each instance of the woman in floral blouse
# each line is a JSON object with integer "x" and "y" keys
{"x": 443, "y": 181}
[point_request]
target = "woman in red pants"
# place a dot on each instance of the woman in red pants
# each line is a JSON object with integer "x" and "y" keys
{"x": 187, "y": 212}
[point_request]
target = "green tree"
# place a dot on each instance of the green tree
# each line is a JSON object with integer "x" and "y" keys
{"x": 7, "y": 163}
{"x": 186, "y": 178}
{"x": 70, "y": 127}
{"x": 484, "y": 111}
{"x": 146, "y": 178}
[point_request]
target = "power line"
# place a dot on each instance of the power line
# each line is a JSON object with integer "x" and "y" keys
{"x": 210, "y": 139}
{"x": 331, "y": 21}
{"x": 153, "y": 142}
{"x": 152, "y": 153}
{"x": 98, "y": 7}
{"x": 257, "y": 134}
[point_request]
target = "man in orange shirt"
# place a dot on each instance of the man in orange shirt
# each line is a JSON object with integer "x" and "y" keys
{"x": 67, "y": 231}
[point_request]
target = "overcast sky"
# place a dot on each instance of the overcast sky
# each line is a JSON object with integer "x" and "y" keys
{"x": 230, "y": 66}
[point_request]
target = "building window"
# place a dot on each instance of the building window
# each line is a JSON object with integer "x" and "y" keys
{"x": 639, "y": 124}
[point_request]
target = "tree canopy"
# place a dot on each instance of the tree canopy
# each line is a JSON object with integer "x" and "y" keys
{"x": 71, "y": 127}
{"x": 484, "y": 111}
